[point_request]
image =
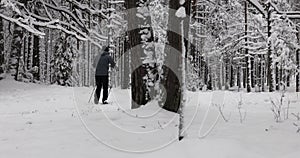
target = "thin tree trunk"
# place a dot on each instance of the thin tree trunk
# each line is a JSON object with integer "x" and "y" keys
{"x": 42, "y": 57}
{"x": 125, "y": 64}
{"x": 226, "y": 73}
{"x": 231, "y": 72}
{"x": 298, "y": 64}
{"x": 85, "y": 65}
{"x": 47, "y": 56}
{"x": 252, "y": 72}
{"x": 16, "y": 51}
{"x": 277, "y": 77}
{"x": 269, "y": 53}
{"x": 288, "y": 83}
{"x": 89, "y": 51}
{"x": 30, "y": 54}
{"x": 263, "y": 66}
{"x": 238, "y": 76}
{"x": 247, "y": 73}
{"x": 2, "y": 65}
{"x": 36, "y": 56}
{"x": 51, "y": 56}
{"x": 26, "y": 50}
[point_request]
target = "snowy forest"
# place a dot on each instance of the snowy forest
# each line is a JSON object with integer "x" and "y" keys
{"x": 231, "y": 45}
{"x": 173, "y": 51}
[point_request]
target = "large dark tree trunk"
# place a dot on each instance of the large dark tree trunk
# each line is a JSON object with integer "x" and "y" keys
{"x": 171, "y": 71}
{"x": 174, "y": 69}
{"x": 138, "y": 69}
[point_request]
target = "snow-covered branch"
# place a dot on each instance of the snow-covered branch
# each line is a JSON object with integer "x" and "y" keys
{"x": 92, "y": 11}
{"x": 63, "y": 10}
{"x": 22, "y": 24}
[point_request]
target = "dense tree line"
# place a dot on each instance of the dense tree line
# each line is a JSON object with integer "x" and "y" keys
{"x": 54, "y": 41}
{"x": 232, "y": 45}
{"x": 242, "y": 47}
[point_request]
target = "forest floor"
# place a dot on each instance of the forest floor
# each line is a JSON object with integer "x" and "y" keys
{"x": 52, "y": 121}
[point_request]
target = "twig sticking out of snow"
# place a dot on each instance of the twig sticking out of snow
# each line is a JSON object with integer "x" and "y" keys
{"x": 297, "y": 116}
{"x": 240, "y": 107}
{"x": 296, "y": 125}
{"x": 160, "y": 126}
{"x": 279, "y": 109}
{"x": 276, "y": 111}
{"x": 220, "y": 108}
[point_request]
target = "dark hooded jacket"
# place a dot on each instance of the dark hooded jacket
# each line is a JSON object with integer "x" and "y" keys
{"x": 103, "y": 64}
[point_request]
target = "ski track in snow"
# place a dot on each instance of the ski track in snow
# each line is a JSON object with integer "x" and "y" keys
{"x": 42, "y": 121}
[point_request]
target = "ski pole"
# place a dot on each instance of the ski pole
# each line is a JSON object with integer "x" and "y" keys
{"x": 110, "y": 87}
{"x": 110, "y": 82}
{"x": 92, "y": 94}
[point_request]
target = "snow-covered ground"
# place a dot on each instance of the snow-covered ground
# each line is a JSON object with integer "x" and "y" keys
{"x": 51, "y": 121}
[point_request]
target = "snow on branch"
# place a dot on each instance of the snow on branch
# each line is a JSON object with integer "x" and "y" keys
{"x": 63, "y": 10}
{"x": 46, "y": 10}
{"x": 258, "y": 6}
{"x": 10, "y": 4}
{"x": 28, "y": 19}
{"x": 83, "y": 36}
{"x": 117, "y": 2}
{"x": 289, "y": 14}
{"x": 88, "y": 9}
{"x": 24, "y": 25}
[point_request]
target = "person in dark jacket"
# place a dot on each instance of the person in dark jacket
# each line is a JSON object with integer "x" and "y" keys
{"x": 101, "y": 75}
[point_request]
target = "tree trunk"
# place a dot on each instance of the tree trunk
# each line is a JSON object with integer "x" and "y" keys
{"x": 238, "y": 76}
{"x": 227, "y": 73}
{"x": 269, "y": 53}
{"x": 247, "y": 72}
{"x": 2, "y": 65}
{"x": 138, "y": 69}
{"x": 263, "y": 72}
{"x": 16, "y": 51}
{"x": 125, "y": 80}
{"x": 298, "y": 64}
{"x": 231, "y": 72}
{"x": 30, "y": 51}
{"x": 36, "y": 56}
{"x": 277, "y": 77}
{"x": 47, "y": 56}
{"x": 288, "y": 83}
{"x": 252, "y": 71}
{"x": 42, "y": 57}
{"x": 174, "y": 71}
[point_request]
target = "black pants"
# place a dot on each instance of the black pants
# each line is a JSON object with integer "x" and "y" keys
{"x": 102, "y": 82}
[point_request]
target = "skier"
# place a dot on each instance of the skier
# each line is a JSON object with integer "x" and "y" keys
{"x": 101, "y": 75}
